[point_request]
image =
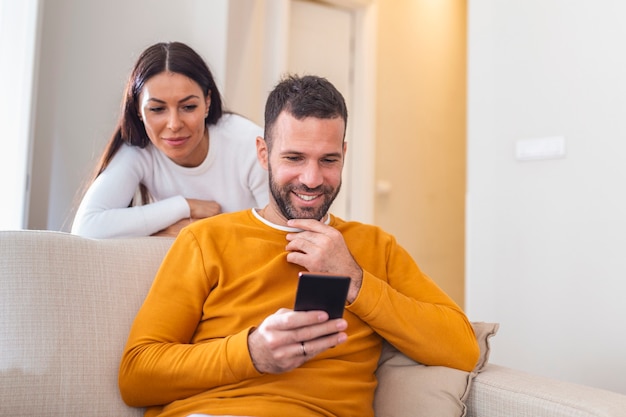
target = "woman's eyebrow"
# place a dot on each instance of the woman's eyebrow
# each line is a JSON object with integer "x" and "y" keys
{"x": 188, "y": 97}
{"x": 158, "y": 100}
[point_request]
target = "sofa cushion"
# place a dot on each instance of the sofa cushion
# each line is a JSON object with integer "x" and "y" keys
{"x": 66, "y": 306}
{"x": 409, "y": 389}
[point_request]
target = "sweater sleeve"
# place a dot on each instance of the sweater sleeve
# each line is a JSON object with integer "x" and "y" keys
{"x": 104, "y": 211}
{"x": 411, "y": 312}
{"x": 160, "y": 364}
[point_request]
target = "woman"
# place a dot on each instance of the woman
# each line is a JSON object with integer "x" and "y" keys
{"x": 175, "y": 156}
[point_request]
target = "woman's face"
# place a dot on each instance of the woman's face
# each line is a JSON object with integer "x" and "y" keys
{"x": 173, "y": 108}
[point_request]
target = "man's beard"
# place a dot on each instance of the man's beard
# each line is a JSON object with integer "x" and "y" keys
{"x": 289, "y": 211}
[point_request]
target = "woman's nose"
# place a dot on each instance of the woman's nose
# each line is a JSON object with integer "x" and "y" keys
{"x": 174, "y": 122}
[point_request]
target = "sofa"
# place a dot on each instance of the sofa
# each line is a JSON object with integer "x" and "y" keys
{"x": 67, "y": 303}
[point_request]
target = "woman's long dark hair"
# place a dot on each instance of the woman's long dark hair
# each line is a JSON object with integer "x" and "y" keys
{"x": 173, "y": 57}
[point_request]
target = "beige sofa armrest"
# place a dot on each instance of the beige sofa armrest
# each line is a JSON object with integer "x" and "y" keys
{"x": 499, "y": 391}
{"x": 66, "y": 307}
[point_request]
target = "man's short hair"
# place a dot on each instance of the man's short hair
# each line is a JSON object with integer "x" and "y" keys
{"x": 301, "y": 97}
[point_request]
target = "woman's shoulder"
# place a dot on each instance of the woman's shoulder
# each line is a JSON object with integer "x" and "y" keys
{"x": 141, "y": 161}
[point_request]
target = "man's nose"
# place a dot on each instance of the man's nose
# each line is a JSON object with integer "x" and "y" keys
{"x": 312, "y": 175}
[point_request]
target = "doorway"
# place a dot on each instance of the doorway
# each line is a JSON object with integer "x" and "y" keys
{"x": 320, "y": 42}
{"x": 335, "y": 39}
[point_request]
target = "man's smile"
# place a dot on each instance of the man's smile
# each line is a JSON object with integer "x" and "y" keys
{"x": 307, "y": 197}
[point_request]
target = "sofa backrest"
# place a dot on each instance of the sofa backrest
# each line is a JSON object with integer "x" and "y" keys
{"x": 66, "y": 306}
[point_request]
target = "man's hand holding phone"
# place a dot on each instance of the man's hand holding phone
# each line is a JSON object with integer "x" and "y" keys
{"x": 287, "y": 339}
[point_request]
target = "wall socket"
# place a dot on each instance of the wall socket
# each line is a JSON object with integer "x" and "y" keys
{"x": 552, "y": 147}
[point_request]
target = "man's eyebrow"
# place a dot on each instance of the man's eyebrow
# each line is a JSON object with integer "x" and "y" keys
{"x": 332, "y": 154}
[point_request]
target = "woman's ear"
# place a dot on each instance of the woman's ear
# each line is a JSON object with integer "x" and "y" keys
{"x": 262, "y": 153}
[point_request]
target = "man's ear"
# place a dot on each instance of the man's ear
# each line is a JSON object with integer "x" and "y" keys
{"x": 262, "y": 153}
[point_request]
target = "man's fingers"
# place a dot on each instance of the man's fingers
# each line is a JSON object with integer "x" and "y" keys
{"x": 297, "y": 326}
{"x": 286, "y": 319}
{"x": 313, "y": 347}
{"x": 321, "y": 330}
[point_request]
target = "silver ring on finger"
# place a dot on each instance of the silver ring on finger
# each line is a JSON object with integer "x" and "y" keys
{"x": 303, "y": 348}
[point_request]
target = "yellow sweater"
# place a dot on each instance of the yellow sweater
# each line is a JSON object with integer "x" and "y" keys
{"x": 187, "y": 350}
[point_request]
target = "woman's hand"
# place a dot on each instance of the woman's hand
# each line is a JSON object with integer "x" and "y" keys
{"x": 174, "y": 229}
{"x": 200, "y": 209}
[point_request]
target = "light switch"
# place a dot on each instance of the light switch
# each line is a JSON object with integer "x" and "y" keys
{"x": 540, "y": 148}
{"x": 383, "y": 187}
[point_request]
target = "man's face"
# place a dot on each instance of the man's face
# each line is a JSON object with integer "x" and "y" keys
{"x": 304, "y": 166}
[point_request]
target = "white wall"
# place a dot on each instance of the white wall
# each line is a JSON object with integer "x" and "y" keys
{"x": 546, "y": 240}
{"x": 87, "y": 51}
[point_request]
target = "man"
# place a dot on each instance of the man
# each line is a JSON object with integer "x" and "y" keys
{"x": 216, "y": 334}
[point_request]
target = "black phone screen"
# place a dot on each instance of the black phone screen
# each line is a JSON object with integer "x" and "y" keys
{"x": 325, "y": 292}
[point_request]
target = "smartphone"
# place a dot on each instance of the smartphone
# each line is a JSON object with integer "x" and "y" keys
{"x": 318, "y": 291}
